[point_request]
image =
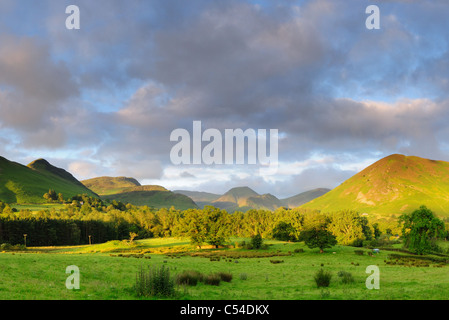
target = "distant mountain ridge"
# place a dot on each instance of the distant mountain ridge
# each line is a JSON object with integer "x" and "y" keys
{"x": 388, "y": 187}
{"x": 244, "y": 199}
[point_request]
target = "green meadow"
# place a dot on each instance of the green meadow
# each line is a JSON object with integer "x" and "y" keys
{"x": 282, "y": 271}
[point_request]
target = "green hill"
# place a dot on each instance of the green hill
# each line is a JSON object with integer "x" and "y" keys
{"x": 304, "y": 197}
{"x": 391, "y": 186}
{"x": 129, "y": 190}
{"x": 264, "y": 201}
{"x": 143, "y": 196}
{"x": 110, "y": 185}
{"x": 201, "y": 198}
{"x": 27, "y": 184}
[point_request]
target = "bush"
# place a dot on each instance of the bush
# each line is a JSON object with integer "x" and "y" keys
{"x": 359, "y": 252}
{"x": 225, "y": 276}
{"x": 212, "y": 279}
{"x": 9, "y": 247}
{"x": 155, "y": 282}
{"x": 189, "y": 278}
{"x": 298, "y": 251}
{"x": 257, "y": 241}
{"x": 241, "y": 244}
{"x": 346, "y": 277}
{"x": 243, "y": 276}
{"x": 276, "y": 261}
{"x": 322, "y": 278}
{"x": 5, "y": 246}
{"x": 357, "y": 243}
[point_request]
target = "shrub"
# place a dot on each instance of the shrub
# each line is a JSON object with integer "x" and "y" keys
{"x": 346, "y": 277}
{"x": 225, "y": 276}
{"x": 359, "y": 252}
{"x": 9, "y": 247}
{"x": 241, "y": 244}
{"x": 189, "y": 278}
{"x": 154, "y": 282}
{"x": 257, "y": 241}
{"x": 5, "y": 246}
{"x": 212, "y": 279}
{"x": 215, "y": 258}
{"x": 276, "y": 261}
{"x": 357, "y": 243}
{"x": 325, "y": 294}
{"x": 322, "y": 278}
{"x": 243, "y": 276}
{"x": 298, "y": 251}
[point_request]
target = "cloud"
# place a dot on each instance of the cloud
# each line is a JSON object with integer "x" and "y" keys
{"x": 85, "y": 170}
{"x": 112, "y": 92}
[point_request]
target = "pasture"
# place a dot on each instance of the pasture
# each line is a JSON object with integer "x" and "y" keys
{"x": 282, "y": 271}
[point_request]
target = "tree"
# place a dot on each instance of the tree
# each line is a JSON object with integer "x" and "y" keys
{"x": 376, "y": 231}
{"x": 284, "y": 232}
{"x": 318, "y": 238}
{"x": 217, "y": 226}
{"x": 256, "y": 241}
{"x": 350, "y": 228}
{"x": 51, "y": 195}
{"x": 421, "y": 229}
{"x": 132, "y": 235}
{"x": 60, "y": 197}
{"x": 210, "y": 225}
{"x": 315, "y": 233}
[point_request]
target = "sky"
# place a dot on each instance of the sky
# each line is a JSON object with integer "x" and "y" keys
{"x": 104, "y": 99}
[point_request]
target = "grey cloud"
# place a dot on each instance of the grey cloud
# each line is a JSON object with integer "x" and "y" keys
{"x": 305, "y": 71}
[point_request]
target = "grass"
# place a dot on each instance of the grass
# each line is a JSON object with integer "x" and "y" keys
{"x": 391, "y": 186}
{"x": 38, "y": 207}
{"x": 21, "y": 184}
{"x": 155, "y": 198}
{"x": 107, "y": 276}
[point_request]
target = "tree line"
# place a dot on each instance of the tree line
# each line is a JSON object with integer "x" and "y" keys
{"x": 84, "y": 219}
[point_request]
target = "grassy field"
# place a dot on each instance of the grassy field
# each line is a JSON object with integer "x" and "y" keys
{"x": 108, "y": 272}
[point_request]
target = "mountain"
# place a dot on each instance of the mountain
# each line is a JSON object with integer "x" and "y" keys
{"x": 201, "y": 198}
{"x": 129, "y": 190}
{"x": 110, "y": 185}
{"x": 28, "y": 184}
{"x": 156, "y": 199}
{"x": 236, "y": 196}
{"x": 244, "y": 198}
{"x": 264, "y": 201}
{"x": 304, "y": 197}
{"x": 391, "y": 186}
